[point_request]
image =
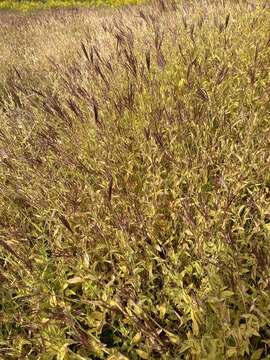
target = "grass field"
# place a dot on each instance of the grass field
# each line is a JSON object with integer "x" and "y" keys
{"x": 26, "y": 5}
{"x": 135, "y": 182}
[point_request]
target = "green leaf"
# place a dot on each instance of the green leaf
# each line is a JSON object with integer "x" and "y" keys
{"x": 227, "y": 293}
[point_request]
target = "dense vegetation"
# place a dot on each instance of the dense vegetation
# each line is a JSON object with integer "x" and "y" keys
{"x": 135, "y": 182}
{"x": 48, "y": 4}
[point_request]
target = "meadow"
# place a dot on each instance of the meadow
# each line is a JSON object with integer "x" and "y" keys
{"x": 135, "y": 182}
{"x": 32, "y": 5}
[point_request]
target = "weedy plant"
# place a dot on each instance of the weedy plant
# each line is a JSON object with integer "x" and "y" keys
{"x": 135, "y": 183}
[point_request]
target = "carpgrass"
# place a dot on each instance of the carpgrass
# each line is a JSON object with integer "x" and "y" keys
{"x": 135, "y": 187}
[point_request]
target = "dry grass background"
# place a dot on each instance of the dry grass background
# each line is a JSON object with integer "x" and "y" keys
{"x": 135, "y": 184}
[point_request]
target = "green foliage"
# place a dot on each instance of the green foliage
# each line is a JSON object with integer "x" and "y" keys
{"x": 135, "y": 185}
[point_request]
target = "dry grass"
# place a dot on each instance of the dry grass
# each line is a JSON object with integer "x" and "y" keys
{"x": 135, "y": 184}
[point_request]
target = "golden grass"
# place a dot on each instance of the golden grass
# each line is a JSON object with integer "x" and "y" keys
{"x": 135, "y": 186}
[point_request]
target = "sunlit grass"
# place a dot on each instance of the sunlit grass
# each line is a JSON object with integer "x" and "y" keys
{"x": 26, "y": 5}
{"x": 135, "y": 183}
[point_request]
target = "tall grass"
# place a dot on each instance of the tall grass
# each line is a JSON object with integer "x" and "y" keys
{"x": 135, "y": 183}
{"x": 30, "y": 5}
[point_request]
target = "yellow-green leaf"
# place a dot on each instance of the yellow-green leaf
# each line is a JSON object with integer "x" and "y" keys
{"x": 142, "y": 354}
{"x": 257, "y": 354}
{"x": 231, "y": 352}
{"x": 227, "y": 293}
{"x": 75, "y": 280}
{"x": 162, "y": 310}
{"x": 136, "y": 339}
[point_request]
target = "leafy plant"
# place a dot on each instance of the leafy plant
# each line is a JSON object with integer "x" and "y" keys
{"x": 134, "y": 198}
